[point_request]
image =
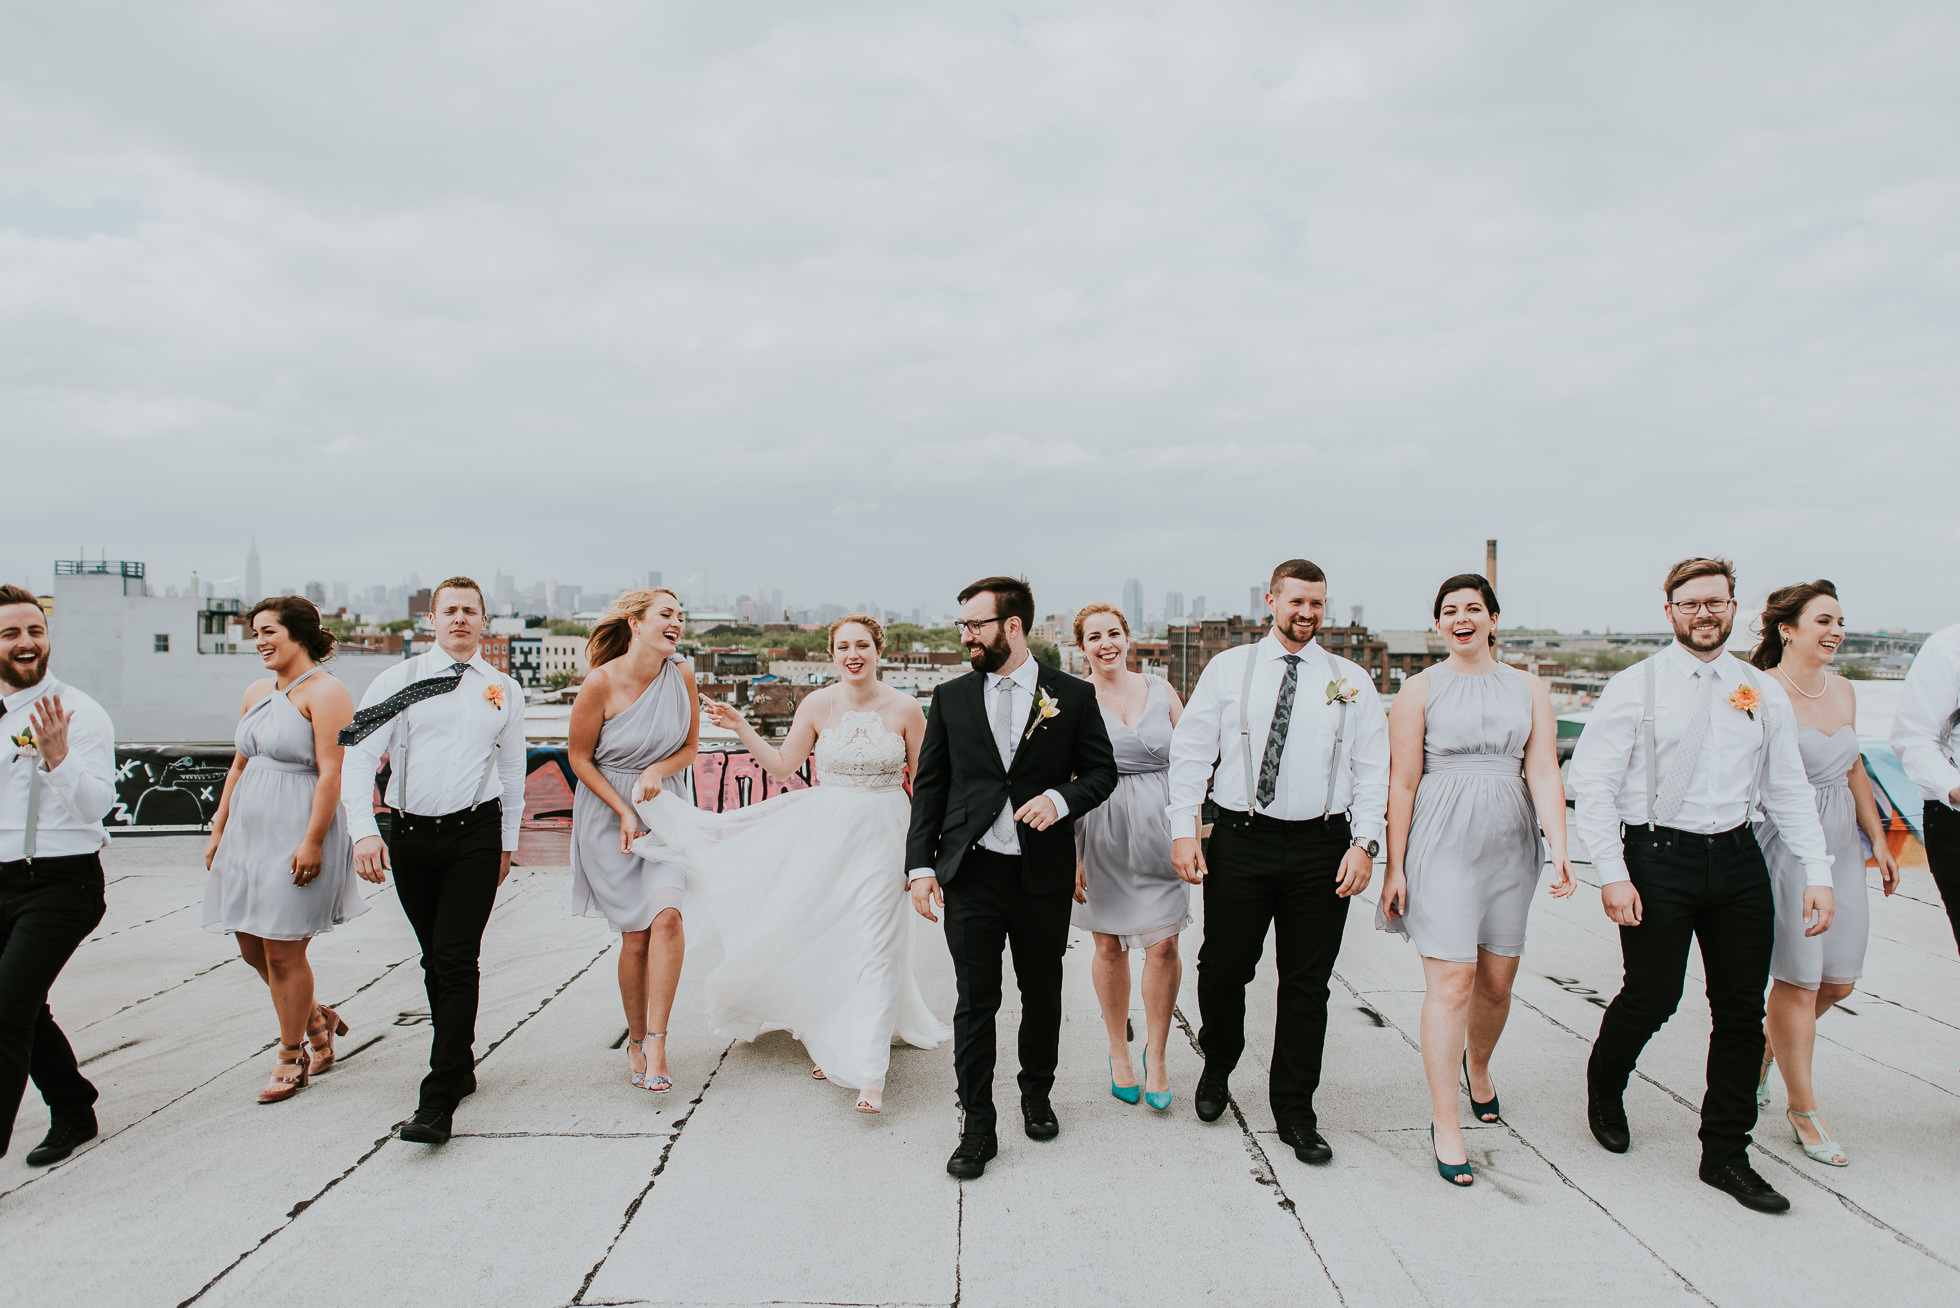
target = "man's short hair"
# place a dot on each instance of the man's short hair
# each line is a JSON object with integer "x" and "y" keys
{"x": 1297, "y": 570}
{"x": 1688, "y": 570}
{"x": 458, "y": 583}
{"x": 18, "y": 595}
{"x": 1013, "y": 598}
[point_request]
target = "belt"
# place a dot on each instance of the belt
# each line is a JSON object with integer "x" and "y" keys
{"x": 406, "y": 821}
{"x": 281, "y": 765}
{"x": 1288, "y": 824}
{"x": 1744, "y": 834}
{"x": 1500, "y": 765}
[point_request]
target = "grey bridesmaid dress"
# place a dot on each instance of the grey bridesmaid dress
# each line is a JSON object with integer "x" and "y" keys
{"x": 627, "y": 890}
{"x": 1838, "y": 953}
{"x": 250, "y": 887}
{"x": 1473, "y": 858}
{"x": 1124, "y": 843}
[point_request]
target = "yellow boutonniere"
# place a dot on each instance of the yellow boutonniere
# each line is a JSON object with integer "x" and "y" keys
{"x": 1339, "y": 692}
{"x": 494, "y": 692}
{"x": 24, "y": 744}
{"x": 1746, "y": 699}
{"x": 1045, "y": 707}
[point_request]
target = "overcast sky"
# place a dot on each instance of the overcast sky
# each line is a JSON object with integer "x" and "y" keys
{"x": 864, "y": 300}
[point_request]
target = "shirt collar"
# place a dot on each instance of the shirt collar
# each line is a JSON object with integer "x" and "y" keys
{"x": 437, "y": 663}
{"x": 1721, "y": 667}
{"x": 1270, "y": 648}
{"x": 20, "y": 699}
{"x": 1023, "y": 676}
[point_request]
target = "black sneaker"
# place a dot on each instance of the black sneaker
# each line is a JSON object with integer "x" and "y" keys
{"x": 1607, "y": 1116}
{"x": 1308, "y": 1145}
{"x": 1741, "y": 1181}
{"x": 1212, "y": 1096}
{"x": 65, "y": 1134}
{"x": 429, "y": 1126}
{"x": 969, "y": 1161}
{"x": 1038, "y": 1117}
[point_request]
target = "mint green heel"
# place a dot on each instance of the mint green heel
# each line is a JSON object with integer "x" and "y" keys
{"x": 1129, "y": 1094}
{"x": 1827, "y": 1150}
{"x": 1157, "y": 1099}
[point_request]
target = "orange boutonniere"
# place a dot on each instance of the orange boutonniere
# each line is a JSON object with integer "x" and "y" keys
{"x": 1746, "y": 699}
{"x": 495, "y": 694}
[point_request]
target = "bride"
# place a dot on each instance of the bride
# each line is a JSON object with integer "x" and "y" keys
{"x": 807, "y": 890}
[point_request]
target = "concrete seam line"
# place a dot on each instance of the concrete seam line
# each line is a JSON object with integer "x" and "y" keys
{"x": 660, "y": 1165}
{"x": 959, "y": 1244}
{"x": 1262, "y": 1170}
{"x": 1575, "y": 1187}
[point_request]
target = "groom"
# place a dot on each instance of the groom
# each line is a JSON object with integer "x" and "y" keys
{"x": 1012, "y": 756}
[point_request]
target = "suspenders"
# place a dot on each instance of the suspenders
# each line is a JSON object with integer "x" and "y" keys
{"x": 1647, "y": 744}
{"x": 1340, "y": 734}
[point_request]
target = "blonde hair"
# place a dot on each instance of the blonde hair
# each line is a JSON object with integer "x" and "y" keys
{"x": 611, "y": 635}
{"x": 1087, "y": 611}
{"x": 865, "y": 620}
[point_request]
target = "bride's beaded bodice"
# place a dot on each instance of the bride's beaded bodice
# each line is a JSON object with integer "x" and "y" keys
{"x": 860, "y": 752}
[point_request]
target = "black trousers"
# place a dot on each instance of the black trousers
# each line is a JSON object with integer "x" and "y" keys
{"x": 1942, "y": 827}
{"x": 47, "y": 908}
{"x": 988, "y": 910}
{"x": 1264, "y": 872}
{"x": 1715, "y": 890}
{"x": 446, "y": 878}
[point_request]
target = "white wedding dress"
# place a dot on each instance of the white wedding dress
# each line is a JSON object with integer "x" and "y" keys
{"x": 807, "y": 892}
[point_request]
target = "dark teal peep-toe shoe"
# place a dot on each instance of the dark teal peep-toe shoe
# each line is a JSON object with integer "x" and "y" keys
{"x": 1486, "y": 1111}
{"x": 1457, "y": 1174}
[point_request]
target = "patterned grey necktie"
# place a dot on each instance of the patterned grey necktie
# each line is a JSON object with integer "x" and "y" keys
{"x": 369, "y": 719}
{"x": 1276, "y": 738}
{"x": 1674, "y": 787}
{"x": 1003, "y": 828}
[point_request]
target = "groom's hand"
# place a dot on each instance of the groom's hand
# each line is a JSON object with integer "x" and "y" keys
{"x": 926, "y": 896}
{"x": 1356, "y": 871}
{"x": 1039, "y": 813}
{"x": 1188, "y": 860}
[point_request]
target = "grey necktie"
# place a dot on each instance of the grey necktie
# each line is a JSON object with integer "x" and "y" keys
{"x": 1276, "y": 738}
{"x": 1674, "y": 786}
{"x": 1003, "y": 828}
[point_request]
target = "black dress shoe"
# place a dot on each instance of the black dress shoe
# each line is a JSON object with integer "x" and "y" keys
{"x": 1741, "y": 1181}
{"x": 1308, "y": 1145}
{"x": 969, "y": 1161}
{"x": 1212, "y": 1096}
{"x": 65, "y": 1134}
{"x": 1608, "y": 1119}
{"x": 1038, "y": 1115}
{"x": 429, "y": 1126}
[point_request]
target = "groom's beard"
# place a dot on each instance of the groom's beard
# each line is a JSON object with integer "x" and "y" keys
{"x": 989, "y": 657}
{"x": 20, "y": 672}
{"x": 1703, "y": 632}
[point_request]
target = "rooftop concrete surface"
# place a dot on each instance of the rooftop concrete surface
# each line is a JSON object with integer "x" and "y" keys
{"x": 754, "y": 1184}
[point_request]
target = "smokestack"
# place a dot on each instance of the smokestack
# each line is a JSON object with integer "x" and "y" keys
{"x": 1490, "y": 563}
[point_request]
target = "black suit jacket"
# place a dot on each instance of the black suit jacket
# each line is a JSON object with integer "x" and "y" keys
{"x": 961, "y": 784}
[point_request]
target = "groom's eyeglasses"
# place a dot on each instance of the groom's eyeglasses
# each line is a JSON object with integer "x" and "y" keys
{"x": 1716, "y": 608}
{"x": 973, "y": 628}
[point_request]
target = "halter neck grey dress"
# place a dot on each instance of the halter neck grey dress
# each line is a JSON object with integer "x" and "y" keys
{"x": 627, "y": 890}
{"x": 1124, "y": 843}
{"x": 1838, "y": 954}
{"x": 1472, "y": 861}
{"x": 250, "y": 887}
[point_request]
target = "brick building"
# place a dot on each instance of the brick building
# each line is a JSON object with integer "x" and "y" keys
{"x": 1188, "y": 648}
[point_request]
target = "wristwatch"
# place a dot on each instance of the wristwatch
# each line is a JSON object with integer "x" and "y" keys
{"x": 1369, "y": 847}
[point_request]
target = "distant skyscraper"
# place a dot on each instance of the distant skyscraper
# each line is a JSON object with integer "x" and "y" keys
{"x": 340, "y": 594}
{"x": 1198, "y": 608}
{"x": 653, "y": 579}
{"x": 317, "y": 592}
{"x": 253, "y": 591}
{"x": 1354, "y": 616}
{"x": 1257, "y": 604}
{"x": 1133, "y": 603}
{"x": 775, "y": 608}
{"x": 1174, "y": 606}
{"x": 503, "y": 590}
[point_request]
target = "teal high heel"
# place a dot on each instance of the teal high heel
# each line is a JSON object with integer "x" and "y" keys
{"x": 1157, "y": 1099}
{"x": 1452, "y": 1171}
{"x": 1129, "y": 1094}
{"x": 1487, "y": 1111}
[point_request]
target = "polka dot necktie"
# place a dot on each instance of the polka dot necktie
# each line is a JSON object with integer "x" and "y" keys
{"x": 369, "y": 719}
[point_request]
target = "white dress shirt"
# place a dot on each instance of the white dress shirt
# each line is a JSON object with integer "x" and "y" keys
{"x": 1020, "y": 686}
{"x": 1205, "y": 744}
{"x": 1608, "y": 774}
{"x": 1932, "y": 694}
{"x": 74, "y": 797}
{"x": 449, "y": 739}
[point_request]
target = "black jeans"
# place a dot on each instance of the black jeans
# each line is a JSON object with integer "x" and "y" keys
{"x": 1942, "y": 827}
{"x": 446, "y": 878}
{"x": 987, "y": 910}
{"x": 1263, "y": 872}
{"x": 1714, "y": 889}
{"x": 47, "y": 908}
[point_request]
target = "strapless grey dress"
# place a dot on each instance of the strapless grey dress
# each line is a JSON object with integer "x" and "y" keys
{"x": 627, "y": 890}
{"x": 250, "y": 887}
{"x": 1473, "y": 856}
{"x": 1837, "y": 954}
{"x": 1124, "y": 843}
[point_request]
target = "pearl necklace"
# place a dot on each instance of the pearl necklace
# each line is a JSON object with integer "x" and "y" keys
{"x": 1800, "y": 690}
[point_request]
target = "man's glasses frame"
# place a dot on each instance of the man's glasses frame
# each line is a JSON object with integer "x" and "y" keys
{"x": 1688, "y": 608}
{"x": 972, "y": 628}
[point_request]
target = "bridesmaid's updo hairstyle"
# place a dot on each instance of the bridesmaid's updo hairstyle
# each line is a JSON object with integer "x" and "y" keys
{"x": 865, "y": 620}
{"x": 611, "y": 636}
{"x": 301, "y": 619}
{"x": 1785, "y": 608}
{"x": 1469, "y": 581}
{"x": 1087, "y": 611}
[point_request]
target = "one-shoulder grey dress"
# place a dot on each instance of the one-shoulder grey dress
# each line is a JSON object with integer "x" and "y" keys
{"x": 1473, "y": 857}
{"x": 627, "y": 890}
{"x": 1124, "y": 843}
{"x": 250, "y": 887}
{"x": 1838, "y": 953}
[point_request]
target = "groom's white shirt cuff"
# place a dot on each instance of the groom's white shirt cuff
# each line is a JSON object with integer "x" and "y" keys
{"x": 1061, "y": 811}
